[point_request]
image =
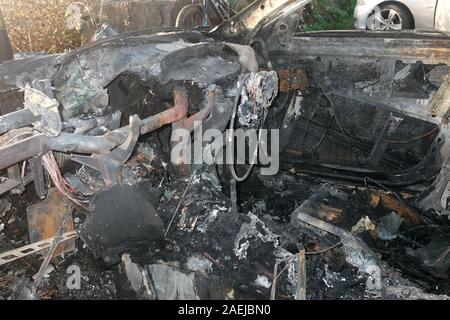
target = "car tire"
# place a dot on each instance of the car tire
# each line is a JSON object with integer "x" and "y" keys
{"x": 402, "y": 17}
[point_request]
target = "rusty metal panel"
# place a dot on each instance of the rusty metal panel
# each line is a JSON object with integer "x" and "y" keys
{"x": 293, "y": 79}
{"x": 46, "y": 217}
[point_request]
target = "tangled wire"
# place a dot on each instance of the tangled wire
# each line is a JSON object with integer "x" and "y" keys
{"x": 51, "y": 165}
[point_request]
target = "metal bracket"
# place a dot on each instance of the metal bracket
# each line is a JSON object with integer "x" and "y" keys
{"x": 15, "y": 175}
{"x": 38, "y": 176}
{"x": 109, "y": 165}
{"x": 16, "y": 254}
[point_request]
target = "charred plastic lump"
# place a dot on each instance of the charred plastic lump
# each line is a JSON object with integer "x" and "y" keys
{"x": 122, "y": 218}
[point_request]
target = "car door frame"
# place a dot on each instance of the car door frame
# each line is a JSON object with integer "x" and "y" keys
{"x": 447, "y": 24}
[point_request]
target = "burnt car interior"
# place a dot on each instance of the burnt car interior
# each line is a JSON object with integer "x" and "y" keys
{"x": 359, "y": 208}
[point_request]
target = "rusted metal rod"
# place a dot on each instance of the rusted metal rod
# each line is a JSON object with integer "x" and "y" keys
{"x": 175, "y": 114}
{"x": 189, "y": 123}
{"x": 70, "y": 143}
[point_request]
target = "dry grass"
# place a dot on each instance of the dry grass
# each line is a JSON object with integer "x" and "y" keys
{"x": 39, "y": 25}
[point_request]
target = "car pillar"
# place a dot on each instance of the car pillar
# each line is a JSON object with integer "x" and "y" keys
{"x": 6, "y": 51}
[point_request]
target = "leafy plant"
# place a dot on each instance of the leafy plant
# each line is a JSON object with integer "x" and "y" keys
{"x": 40, "y": 25}
{"x": 329, "y": 15}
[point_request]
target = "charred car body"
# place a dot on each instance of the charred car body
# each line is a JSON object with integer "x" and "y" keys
{"x": 370, "y": 109}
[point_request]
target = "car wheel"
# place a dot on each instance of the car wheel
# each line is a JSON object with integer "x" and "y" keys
{"x": 390, "y": 17}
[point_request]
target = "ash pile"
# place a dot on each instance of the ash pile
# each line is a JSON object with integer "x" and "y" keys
{"x": 324, "y": 249}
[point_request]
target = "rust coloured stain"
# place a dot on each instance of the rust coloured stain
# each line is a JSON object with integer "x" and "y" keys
{"x": 395, "y": 205}
{"x": 293, "y": 79}
{"x": 45, "y": 219}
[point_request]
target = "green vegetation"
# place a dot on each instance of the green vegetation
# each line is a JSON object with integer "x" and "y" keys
{"x": 39, "y": 25}
{"x": 329, "y": 15}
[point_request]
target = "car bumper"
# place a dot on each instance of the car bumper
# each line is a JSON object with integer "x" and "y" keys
{"x": 361, "y": 14}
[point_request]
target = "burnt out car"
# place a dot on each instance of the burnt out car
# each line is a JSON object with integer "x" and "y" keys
{"x": 360, "y": 110}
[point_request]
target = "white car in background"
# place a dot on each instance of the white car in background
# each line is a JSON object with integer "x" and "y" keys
{"x": 403, "y": 14}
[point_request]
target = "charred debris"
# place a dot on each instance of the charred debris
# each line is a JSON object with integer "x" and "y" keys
{"x": 97, "y": 205}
